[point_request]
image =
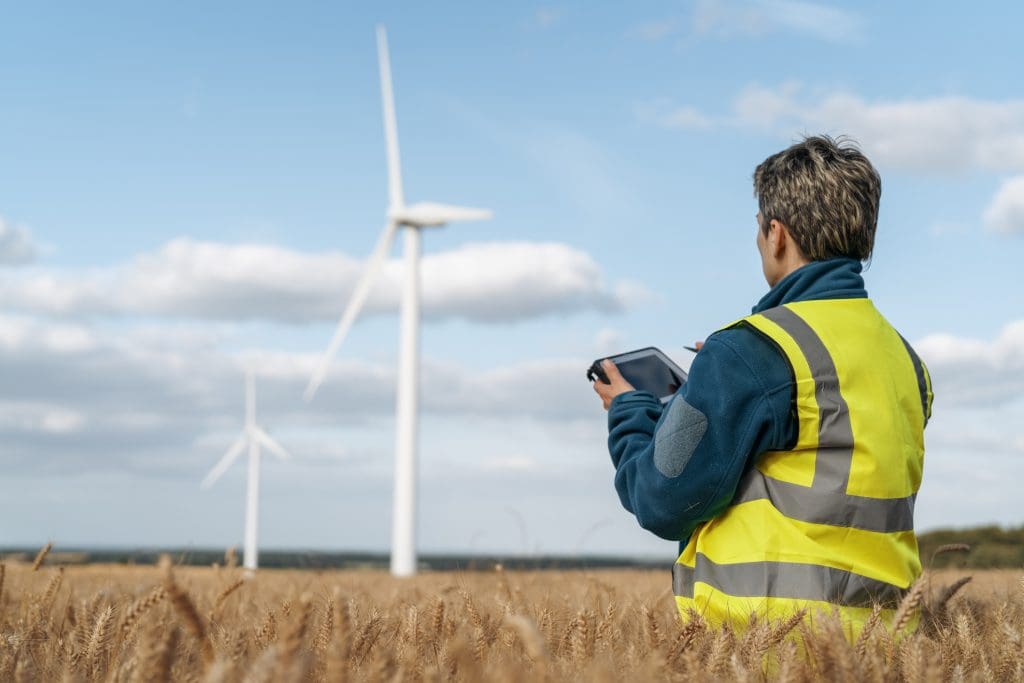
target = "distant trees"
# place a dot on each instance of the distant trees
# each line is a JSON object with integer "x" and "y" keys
{"x": 991, "y": 547}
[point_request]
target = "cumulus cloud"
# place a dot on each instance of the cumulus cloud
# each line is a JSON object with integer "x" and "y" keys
{"x": 975, "y": 439}
{"x": 976, "y": 372}
{"x": 485, "y": 282}
{"x": 731, "y": 18}
{"x": 935, "y": 134}
{"x": 16, "y": 245}
{"x": 1006, "y": 211}
{"x": 725, "y": 19}
{"x": 76, "y": 397}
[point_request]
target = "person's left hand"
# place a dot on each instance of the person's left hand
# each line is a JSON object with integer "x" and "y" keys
{"x": 618, "y": 385}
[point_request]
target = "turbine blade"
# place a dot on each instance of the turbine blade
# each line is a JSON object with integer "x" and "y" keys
{"x": 221, "y": 467}
{"x": 432, "y": 213}
{"x": 390, "y": 125}
{"x": 268, "y": 442}
{"x": 250, "y": 398}
{"x": 355, "y": 304}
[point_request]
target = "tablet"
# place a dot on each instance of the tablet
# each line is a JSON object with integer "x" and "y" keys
{"x": 646, "y": 369}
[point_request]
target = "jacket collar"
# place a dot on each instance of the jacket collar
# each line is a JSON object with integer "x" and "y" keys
{"x": 837, "y": 278}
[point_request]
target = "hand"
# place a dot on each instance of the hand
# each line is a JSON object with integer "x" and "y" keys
{"x": 618, "y": 383}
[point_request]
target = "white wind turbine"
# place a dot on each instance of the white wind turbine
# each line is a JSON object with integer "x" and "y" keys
{"x": 412, "y": 217}
{"x": 252, "y": 436}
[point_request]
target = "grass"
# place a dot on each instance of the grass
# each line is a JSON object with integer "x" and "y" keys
{"x": 145, "y": 623}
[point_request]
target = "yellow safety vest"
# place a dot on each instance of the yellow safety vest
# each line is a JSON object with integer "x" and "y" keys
{"x": 830, "y": 522}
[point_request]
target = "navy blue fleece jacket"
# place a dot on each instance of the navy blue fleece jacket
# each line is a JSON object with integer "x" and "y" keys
{"x": 738, "y": 403}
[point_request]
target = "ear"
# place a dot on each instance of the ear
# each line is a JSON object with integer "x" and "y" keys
{"x": 778, "y": 238}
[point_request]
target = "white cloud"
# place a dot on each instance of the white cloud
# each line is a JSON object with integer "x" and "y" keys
{"x": 726, "y": 19}
{"x": 487, "y": 282}
{"x": 72, "y": 394}
{"x": 975, "y": 440}
{"x": 16, "y": 245}
{"x": 976, "y": 372}
{"x": 1006, "y": 211}
{"x": 935, "y": 134}
{"x": 732, "y": 18}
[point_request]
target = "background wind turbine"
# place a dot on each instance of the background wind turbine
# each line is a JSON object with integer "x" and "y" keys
{"x": 412, "y": 217}
{"x": 252, "y": 436}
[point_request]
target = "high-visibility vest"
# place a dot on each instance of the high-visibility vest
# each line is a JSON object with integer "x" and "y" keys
{"x": 828, "y": 523}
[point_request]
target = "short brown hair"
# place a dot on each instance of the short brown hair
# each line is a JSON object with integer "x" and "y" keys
{"x": 826, "y": 192}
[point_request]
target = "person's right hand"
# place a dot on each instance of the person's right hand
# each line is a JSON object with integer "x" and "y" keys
{"x": 618, "y": 384}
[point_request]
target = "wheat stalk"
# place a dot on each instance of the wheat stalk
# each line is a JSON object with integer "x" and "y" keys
{"x": 100, "y": 640}
{"x": 909, "y": 604}
{"x": 869, "y": 625}
{"x": 51, "y": 590}
{"x": 186, "y": 610}
{"x": 41, "y": 555}
{"x": 131, "y": 617}
{"x": 326, "y": 630}
{"x": 952, "y": 590}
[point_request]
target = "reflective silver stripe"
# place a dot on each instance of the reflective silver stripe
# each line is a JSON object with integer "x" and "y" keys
{"x": 922, "y": 383}
{"x": 682, "y": 580}
{"x": 835, "y": 434}
{"x": 789, "y": 580}
{"x": 826, "y": 500}
{"x": 828, "y": 507}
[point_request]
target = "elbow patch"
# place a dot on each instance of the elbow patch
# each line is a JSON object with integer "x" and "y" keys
{"x": 678, "y": 437}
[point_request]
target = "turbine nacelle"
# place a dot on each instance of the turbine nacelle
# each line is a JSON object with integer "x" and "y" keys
{"x": 432, "y": 214}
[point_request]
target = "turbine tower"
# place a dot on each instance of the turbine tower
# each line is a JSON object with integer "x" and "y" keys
{"x": 252, "y": 436}
{"x": 413, "y": 218}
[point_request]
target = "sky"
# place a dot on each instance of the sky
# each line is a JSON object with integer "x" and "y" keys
{"x": 191, "y": 189}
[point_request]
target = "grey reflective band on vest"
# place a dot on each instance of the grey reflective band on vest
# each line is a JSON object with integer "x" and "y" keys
{"x": 682, "y": 580}
{"x": 828, "y": 507}
{"x": 789, "y": 580}
{"x": 922, "y": 383}
{"x": 835, "y": 434}
{"x": 826, "y": 500}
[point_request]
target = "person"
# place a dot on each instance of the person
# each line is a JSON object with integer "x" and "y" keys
{"x": 788, "y": 463}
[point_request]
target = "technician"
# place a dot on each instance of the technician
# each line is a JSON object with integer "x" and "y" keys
{"x": 788, "y": 464}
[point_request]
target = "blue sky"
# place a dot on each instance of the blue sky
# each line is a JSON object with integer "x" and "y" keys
{"x": 190, "y": 189}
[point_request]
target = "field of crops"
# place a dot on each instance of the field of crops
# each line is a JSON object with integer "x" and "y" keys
{"x": 123, "y": 623}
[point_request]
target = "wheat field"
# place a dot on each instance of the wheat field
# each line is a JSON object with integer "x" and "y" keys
{"x": 145, "y": 623}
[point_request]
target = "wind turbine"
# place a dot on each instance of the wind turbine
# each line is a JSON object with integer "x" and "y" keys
{"x": 413, "y": 218}
{"x": 252, "y": 436}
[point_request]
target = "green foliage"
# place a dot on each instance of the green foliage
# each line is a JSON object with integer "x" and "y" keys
{"x": 991, "y": 547}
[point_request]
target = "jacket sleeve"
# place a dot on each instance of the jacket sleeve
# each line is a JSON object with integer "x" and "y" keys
{"x": 679, "y": 466}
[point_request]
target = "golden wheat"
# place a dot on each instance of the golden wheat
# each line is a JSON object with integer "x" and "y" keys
{"x": 41, "y": 555}
{"x": 113, "y": 624}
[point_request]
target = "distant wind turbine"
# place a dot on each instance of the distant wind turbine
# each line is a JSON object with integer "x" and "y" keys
{"x": 413, "y": 217}
{"x": 252, "y": 436}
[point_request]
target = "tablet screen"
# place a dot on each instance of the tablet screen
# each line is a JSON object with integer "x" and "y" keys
{"x": 650, "y": 370}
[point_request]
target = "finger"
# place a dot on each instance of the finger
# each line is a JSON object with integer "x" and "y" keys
{"x": 611, "y": 369}
{"x": 698, "y": 345}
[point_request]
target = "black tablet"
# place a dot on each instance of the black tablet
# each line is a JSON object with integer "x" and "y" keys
{"x": 646, "y": 369}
